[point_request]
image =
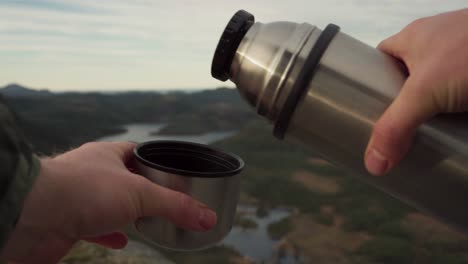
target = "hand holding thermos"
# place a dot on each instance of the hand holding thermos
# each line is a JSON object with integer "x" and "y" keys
{"x": 435, "y": 51}
{"x": 332, "y": 93}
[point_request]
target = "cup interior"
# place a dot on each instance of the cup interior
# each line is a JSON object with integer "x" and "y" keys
{"x": 188, "y": 159}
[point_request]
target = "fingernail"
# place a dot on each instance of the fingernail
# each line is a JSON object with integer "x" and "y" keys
{"x": 207, "y": 218}
{"x": 376, "y": 163}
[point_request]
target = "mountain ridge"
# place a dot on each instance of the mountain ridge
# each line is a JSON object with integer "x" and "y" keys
{"x": 17, "y": 90}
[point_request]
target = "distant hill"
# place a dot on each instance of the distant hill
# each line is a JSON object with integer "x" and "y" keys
{"x": 16, "y": 90}
{"x": 57, "y": 121}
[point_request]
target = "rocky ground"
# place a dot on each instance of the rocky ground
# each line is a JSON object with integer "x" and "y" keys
{"x": 134, "y": 253}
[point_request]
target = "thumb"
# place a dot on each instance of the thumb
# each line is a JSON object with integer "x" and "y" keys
{"x": 179, "y": 208}
{"x": 393, "y": 133}
{"x": 395, "y": 45}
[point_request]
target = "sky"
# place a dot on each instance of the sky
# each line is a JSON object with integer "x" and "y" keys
{"x": 109, "y": 45}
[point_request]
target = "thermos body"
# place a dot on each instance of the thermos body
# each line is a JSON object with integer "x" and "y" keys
{"x": 325, "y": 89}
{"x": 348, "y": 93}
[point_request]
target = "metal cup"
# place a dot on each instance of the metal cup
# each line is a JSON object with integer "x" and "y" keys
{"x": 206, "y": 174}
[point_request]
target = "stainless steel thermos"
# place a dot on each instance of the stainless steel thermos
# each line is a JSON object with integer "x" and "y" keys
{"x": 325, "y": 89}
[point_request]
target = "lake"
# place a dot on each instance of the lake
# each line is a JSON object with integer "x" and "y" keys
{"x": 142, "y": 133}
{"x": 253, "y": 243}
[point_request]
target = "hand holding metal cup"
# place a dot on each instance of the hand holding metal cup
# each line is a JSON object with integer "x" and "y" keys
{"x": 204, "y": 173}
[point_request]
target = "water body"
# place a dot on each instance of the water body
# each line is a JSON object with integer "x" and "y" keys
{"x": 142, "y": 133}
{"x": 255, "y": 243}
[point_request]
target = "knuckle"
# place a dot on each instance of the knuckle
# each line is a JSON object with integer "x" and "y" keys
{"x": 184, "y": 214}
{"x": 142, "y": 191}
{"x": 383, "y": 43}
{"x": 184, "y": 202}
{"x": 124, "y": 144}
{"x": 395, "y": 45}
{"x": 90, "y": 144}
{"x": 416, "y": 24}
{"x": 139, "y": 198}
{"x": 412, "y": 29}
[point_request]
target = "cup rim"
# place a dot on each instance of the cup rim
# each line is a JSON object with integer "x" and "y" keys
{"x": 202, "y": 149}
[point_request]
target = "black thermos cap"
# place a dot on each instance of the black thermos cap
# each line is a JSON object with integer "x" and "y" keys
{"x": 229, "y": 42}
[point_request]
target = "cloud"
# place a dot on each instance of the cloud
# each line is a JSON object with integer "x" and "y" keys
{"x": 162, "y": 44}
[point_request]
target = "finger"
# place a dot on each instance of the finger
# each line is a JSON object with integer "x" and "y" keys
{"x": 391, "y": 46}
{"x": 115, "y": 240}
{"x": 179, "y": 208}
{"x": 393, "y": 133}
{"x": 125, "y": 150}
{"x": 397, "y": 46}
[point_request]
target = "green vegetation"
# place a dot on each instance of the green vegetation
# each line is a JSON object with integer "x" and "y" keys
{"x": 446, "y": 259}
{"x": 262, "y": 211}
{"x": 394, "y": 229}
{"x": 201, "y": 122}
{"x": 214, "y": 255}
{"x": 85, "y": 252}
{"x": 244, "y": 222}
{"x": 324, "y": 219}
{"x": 280, "y": 228}
{"x": 269, "y": 164}
{"x": 450, "y": 252}
{"x": 366, "y": 208}
{"x": 388, "y": 250}
{"x": 57, "y": 122}
{"x": 195, "y": 128}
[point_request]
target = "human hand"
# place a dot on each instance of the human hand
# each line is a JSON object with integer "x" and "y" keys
{"x": 89, "y": 193}
{"x": 435, "y": 51}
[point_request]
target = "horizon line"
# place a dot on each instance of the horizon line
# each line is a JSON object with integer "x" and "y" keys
{"x": 115, "y": 90}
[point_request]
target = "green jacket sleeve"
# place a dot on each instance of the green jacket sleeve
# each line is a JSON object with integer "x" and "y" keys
{"x": 18, "y": 170}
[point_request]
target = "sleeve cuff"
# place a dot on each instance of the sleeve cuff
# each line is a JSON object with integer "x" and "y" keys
{"x": 12, "y": 203}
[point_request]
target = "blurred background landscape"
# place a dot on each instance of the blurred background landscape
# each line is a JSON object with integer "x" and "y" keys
{"x": 75, "y": 71}
{"x": 295, "y": 207}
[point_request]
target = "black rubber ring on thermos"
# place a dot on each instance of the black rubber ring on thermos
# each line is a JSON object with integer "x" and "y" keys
{"x": 305, "y": 75}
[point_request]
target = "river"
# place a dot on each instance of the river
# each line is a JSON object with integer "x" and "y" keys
{"x": 255, "y": 243}
{"x": 142, "y": 133}
{"x": 252, "y": 243}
